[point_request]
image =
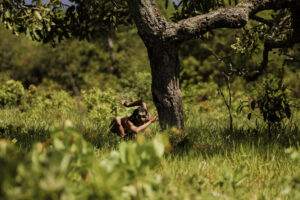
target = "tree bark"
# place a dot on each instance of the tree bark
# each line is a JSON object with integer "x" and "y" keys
{"x": 164, "y": 61}
{"x": 165, "y": 83}
{"x": 161, "y": 39}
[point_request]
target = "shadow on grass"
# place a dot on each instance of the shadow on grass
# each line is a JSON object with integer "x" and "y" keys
{"x": 201, "y": 139}
{"x": 222, "y": 141}
{"x": 23, "y": 136}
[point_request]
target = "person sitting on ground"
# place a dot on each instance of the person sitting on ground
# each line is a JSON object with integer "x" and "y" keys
{"x": 132, "y": 125}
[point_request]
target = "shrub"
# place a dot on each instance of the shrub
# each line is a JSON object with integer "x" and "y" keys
{"x": 66, "y": 167}
{"x": 272, "y": 101}
{"x": 11, "y": 93}
{"x": 101, "y": 105}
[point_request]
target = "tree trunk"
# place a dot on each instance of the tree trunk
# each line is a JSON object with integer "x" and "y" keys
{"x": 165, "y": 83}
{"x": 161, "y": 39}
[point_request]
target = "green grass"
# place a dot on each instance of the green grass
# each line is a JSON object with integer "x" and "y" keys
{"x": 241, "y": 172}
{"x": 207, "y": 161}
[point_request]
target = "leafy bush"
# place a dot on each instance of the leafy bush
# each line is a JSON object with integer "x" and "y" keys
{"x": 272, "y": 101}
{"x": 101, "y": 105}
{"x": 66, "y": 167}
{"x": 50, "y": 100}
{"x": 11, "y": 93}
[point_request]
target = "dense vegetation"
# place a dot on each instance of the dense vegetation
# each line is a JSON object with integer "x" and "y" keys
{"x": 57, "y": 104}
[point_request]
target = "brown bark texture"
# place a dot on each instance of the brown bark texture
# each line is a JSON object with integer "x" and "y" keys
{"x": 165, "y": 83}
{"x": 162, "y": 39}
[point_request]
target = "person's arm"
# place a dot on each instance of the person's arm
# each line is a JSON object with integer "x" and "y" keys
{"x": 135, "y": 103}
{"x": 138, "y": 129}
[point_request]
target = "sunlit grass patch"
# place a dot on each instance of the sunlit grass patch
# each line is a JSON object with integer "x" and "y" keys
{"x": 205, "y": 161}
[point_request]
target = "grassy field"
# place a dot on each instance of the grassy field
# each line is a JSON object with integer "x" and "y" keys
{"x": 240, "y": 172}
{"x": 54, "y": 148}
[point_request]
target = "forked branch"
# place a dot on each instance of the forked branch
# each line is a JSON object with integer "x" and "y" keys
{"x": 236, "y": 17}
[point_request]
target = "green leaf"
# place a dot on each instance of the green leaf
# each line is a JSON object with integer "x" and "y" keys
{"x": 7, "y": 14}
{"x": 37, "y": 15}
{"x": 58, "y": 144}
{"x": 159, "y": 146}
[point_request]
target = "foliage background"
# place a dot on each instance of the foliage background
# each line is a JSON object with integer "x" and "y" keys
{"x": 57, "y": 104}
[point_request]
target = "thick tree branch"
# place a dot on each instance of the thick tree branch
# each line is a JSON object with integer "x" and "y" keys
{"x": 223, "y": 18}
{"x": 271, "y": 43}
{"x": 151, "y": 23}
{"x": 147, "y": 17}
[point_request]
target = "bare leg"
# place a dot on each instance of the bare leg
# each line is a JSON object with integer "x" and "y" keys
{"x": 116, "y": 126}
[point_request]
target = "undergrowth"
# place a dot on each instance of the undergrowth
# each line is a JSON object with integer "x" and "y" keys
{"x": 55, "y": 147}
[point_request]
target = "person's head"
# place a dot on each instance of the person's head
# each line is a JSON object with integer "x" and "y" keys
{"x": 139, "y": 114}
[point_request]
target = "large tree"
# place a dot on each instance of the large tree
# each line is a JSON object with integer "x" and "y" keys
{"x": 52, "y": 22}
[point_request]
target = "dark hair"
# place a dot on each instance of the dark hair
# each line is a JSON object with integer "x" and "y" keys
{"x": 136, "y": 112}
